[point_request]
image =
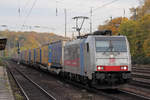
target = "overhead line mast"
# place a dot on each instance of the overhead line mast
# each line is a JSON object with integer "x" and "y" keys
{"x": 91, "y": 14}
{"x": 65, "y": 11}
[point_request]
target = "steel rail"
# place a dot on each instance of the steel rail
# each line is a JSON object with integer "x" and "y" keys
{"x": 100, "y": 92}
{"x": 18, "y": 84}
{"x": 141, "y": 71}
{"x": 103, "y": 93}
{"x": 83, "y": 87}
{"x": 90, "y": 89}
{"x": 134, "y": 94}
{"x": 38, "y": 86}
{"x": 140, "y": 84}
{"x": 141, "y": 76}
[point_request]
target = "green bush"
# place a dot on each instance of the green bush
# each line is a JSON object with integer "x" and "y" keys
{"x": 141, "y": 60}
{"x": 1, "y": 63}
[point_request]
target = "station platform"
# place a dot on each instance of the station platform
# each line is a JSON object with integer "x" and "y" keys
{"x": 5, "y": 88}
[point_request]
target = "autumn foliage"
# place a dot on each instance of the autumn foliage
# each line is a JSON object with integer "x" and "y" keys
{"x": 113, "y": 24}
{"x": 27, "y": 40}
{"x": 137, "y": 29}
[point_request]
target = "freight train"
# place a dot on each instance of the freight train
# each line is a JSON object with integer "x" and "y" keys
{"x": 99, "y": 60}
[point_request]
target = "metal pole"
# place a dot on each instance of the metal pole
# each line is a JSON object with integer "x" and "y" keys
{"x": 77, "y": 28}
{"x": 91, "y": 12}
{"x": 18, "y": 51}
{"x": 9, "y": 48}
{"x": 135, "y": 14}
{"x": 111, "y": 21}
{"x": 65, "y": 22}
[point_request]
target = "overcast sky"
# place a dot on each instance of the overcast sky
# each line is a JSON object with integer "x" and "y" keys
{"x": 43, "y": 13}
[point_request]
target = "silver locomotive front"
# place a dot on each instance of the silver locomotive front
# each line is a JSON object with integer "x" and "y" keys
{"x": 111, "y": 60}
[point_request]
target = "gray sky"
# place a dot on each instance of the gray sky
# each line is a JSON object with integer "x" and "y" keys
{"x": 44, "y": 13}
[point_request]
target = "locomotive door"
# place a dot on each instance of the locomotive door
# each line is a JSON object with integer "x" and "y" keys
{"x": 86, "y": 58}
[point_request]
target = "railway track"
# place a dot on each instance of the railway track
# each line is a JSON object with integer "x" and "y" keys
{"x": 141, "y": 76}
{"x": 140, "y": 84}
{"x": 113, "y": 95}
{"x": 93, "y": 90}
{"x": 121, "y": 94}
{"x": 132, "y": 94}
{"x": 143, "y": 68}
{"x": 141, "y": 71}
{"x": 60, "y": 90}
{"x": 30, "y": 89}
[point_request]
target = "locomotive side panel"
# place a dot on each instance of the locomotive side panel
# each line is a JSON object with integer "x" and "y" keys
{"x": 72, "y": 59}
{"x": 89, "y": 57}
{"x": 86, "y": 58}
{"x": 77, "y": 59}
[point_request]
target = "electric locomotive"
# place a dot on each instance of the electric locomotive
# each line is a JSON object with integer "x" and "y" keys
{"x": 98, "y": 59}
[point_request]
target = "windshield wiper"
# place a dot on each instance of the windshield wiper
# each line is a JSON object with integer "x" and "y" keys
{"x": 110, "y": 47}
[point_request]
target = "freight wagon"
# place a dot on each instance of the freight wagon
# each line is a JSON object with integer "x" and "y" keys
{"x": 49, "y": 56}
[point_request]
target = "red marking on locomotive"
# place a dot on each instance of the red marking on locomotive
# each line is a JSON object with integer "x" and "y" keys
{"x": 112, "y": 68}
{"x": 112, "y": 60}
{"x": 73, "y": 63}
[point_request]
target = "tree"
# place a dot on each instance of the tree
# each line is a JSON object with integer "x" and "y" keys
{"x": 27, "y": 40}
{"x": 129, "y": 29}
{"x": 113, "y": 25}
{"x": 141, "y": 10}
{"x": 146, "y": 47}
{"x": 144, "y": 24}
{"x": 138, "y": 33}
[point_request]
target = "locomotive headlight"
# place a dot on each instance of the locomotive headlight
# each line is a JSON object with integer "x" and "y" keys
{"x": 99, "y": 68}
{"x": 111, "y": 56}
{"x": 125, "y": 68}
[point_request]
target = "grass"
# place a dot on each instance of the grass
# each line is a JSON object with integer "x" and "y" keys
{"x": 1, "y": 62}
{"x": 18, "y": 96}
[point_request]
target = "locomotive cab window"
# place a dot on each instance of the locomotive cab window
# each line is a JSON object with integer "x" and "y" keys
{"x": 111, "y": 44}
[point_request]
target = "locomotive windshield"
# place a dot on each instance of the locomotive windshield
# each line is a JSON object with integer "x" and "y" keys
{"x": 115, "y": 44}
